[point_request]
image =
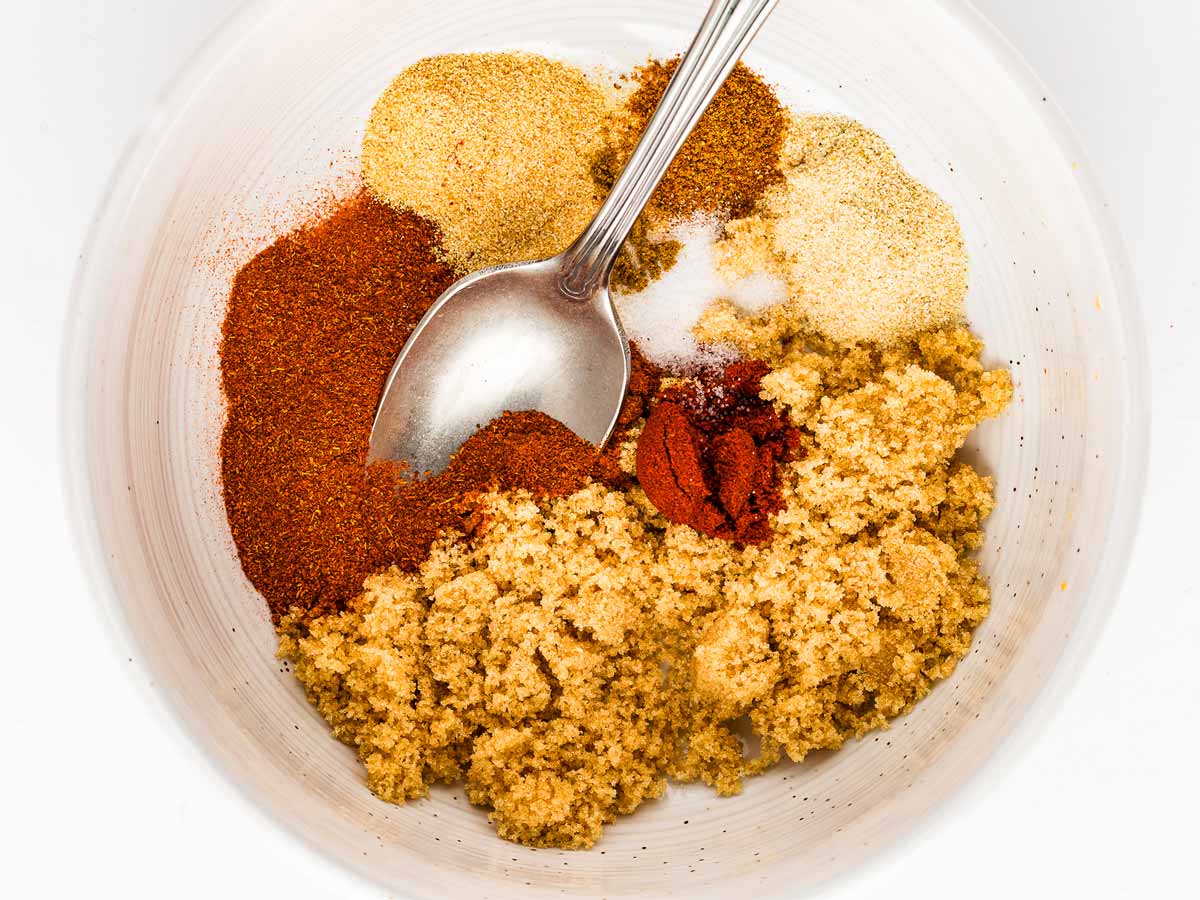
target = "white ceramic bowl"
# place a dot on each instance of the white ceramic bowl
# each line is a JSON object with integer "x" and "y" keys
{"x": 256, "y": 121}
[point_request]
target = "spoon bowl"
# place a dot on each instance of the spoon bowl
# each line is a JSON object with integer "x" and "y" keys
{"x": 504, "y": 338}
{"x": 545, "y": 335}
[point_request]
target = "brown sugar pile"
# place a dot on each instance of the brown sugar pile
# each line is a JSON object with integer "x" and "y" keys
{"x": 494, "y": 148}
{"x": 530, "y": 663}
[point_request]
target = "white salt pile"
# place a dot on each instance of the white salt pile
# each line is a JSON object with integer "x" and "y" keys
{"x": 660, "y": 318}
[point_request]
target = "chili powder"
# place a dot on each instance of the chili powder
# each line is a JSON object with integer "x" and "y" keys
{"x": 313, "y": 326}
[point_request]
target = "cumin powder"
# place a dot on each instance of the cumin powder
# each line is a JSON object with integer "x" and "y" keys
{"x": 728, "y": 161}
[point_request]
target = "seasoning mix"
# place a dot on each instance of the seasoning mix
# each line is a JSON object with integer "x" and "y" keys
{"x": 777, "y": 538}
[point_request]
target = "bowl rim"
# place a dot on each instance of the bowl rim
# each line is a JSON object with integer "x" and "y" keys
{"x": 83, "y": 516}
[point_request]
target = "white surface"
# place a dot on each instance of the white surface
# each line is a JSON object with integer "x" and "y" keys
{"x": 102, "y": 798}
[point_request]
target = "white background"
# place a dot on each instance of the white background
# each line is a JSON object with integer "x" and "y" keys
{"x": 99, "y": 798}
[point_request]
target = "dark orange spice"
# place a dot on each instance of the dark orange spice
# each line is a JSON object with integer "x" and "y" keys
{"x": 313, "y": 325}
{"x": 527, "y": 450}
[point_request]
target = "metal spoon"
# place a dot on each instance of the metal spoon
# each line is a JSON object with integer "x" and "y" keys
{"x": 545, "y": 335}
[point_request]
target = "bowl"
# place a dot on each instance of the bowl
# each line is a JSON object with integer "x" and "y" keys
{"x": 258, "y": 131}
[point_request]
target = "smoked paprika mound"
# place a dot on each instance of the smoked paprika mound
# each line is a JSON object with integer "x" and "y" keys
{"x": 710, "y": 452}
{"x": 313, "y": 326}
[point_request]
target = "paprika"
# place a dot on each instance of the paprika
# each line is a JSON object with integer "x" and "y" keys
{"x": 313, "y": 326}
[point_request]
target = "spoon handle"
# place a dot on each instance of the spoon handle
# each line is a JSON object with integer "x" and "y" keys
{"x": 727, "y": 30}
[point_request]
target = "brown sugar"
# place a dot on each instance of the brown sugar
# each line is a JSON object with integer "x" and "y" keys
{"x": 531, "y": 663}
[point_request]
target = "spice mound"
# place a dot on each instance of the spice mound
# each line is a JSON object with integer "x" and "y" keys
{"x": 526, "y": 450}
{"x": 728, "y": 161}
{"x": 867, "y": 251}
{"x": 709, "y": 455}
{"x": 778, "y": 540}
{"x": 312, "y": 328}
{"x": 493, "y": 148}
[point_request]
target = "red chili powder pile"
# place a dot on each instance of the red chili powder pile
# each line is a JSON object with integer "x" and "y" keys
{"x": 313, "y": 326}
{"x": 710, "y": 452}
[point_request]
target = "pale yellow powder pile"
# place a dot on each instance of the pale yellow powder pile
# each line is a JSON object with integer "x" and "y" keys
{"x": 531, "y": 663}
{"x": 494, "y": 148}
{"x": 868, "y": 253}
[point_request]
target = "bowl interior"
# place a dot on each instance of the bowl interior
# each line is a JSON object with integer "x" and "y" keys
{"x": 244, "y": 146}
